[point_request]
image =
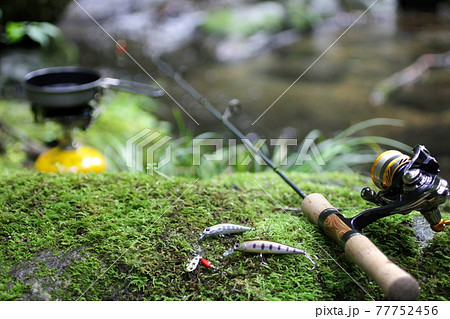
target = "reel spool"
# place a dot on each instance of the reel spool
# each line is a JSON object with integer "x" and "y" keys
{"x": 386, "y": 166}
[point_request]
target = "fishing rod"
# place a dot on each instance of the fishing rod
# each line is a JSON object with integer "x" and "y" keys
{"x": 166, "y": 69}
{"x": 407, "y": 183}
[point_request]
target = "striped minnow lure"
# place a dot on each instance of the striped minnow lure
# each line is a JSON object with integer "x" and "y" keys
{"x": 223, "y": 229}
{"x": 266, "y": 247}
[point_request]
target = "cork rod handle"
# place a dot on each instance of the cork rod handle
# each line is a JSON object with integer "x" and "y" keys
{"x": 394, "y": 281}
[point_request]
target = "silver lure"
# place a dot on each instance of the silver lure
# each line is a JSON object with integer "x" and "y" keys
{"x": 223, "y": 229}
{"x": 266, "y": 247}
{"x": 193, "y": 263}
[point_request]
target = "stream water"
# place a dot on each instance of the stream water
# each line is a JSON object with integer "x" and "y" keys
{"x": 330, "y": 93}
{"x": 334, "y": 92}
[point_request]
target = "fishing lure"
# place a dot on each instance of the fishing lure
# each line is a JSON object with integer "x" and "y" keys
{"x": 266, "y": 247}
{"x": 223, "y": 229}
{"x": 207, "y": 263}
{"x": 193, "y": 263}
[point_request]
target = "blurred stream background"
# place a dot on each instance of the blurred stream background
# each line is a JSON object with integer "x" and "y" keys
{"x": 254, "y": 50}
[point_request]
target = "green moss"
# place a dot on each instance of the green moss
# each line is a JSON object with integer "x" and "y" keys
{"x": 129, "y": 236}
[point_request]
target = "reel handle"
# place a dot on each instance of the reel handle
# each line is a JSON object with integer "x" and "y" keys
{"x": 396, "y": 283}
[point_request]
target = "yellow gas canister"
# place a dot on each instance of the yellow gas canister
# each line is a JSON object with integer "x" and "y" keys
{"x": 79, "y": 160}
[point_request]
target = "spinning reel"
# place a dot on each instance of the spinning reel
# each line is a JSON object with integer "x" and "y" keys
{"x": 407, "y": 184}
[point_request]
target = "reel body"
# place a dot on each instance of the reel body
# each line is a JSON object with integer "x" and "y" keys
{"x": 407, "y": 184}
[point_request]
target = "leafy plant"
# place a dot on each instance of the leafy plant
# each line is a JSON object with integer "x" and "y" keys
{"x": 346, "y": 151}
{"x": 350, "y": 150}
{"x": 40, "y": 32}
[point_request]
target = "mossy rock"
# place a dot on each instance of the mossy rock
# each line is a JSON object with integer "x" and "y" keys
{"x": 129, "y": 237}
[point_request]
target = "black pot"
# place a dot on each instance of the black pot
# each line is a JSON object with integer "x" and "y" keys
{"x": 73, "y": 86}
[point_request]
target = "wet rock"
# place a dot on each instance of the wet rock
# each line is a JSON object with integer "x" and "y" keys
{"x": 225, "y": 30}
{"x": 16, "y": 64}
{"x": 246, "y": 31}
{"x": 155, "y": 26}
{"x": 240, "y": 48}
{"x": 423, "y": 231}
